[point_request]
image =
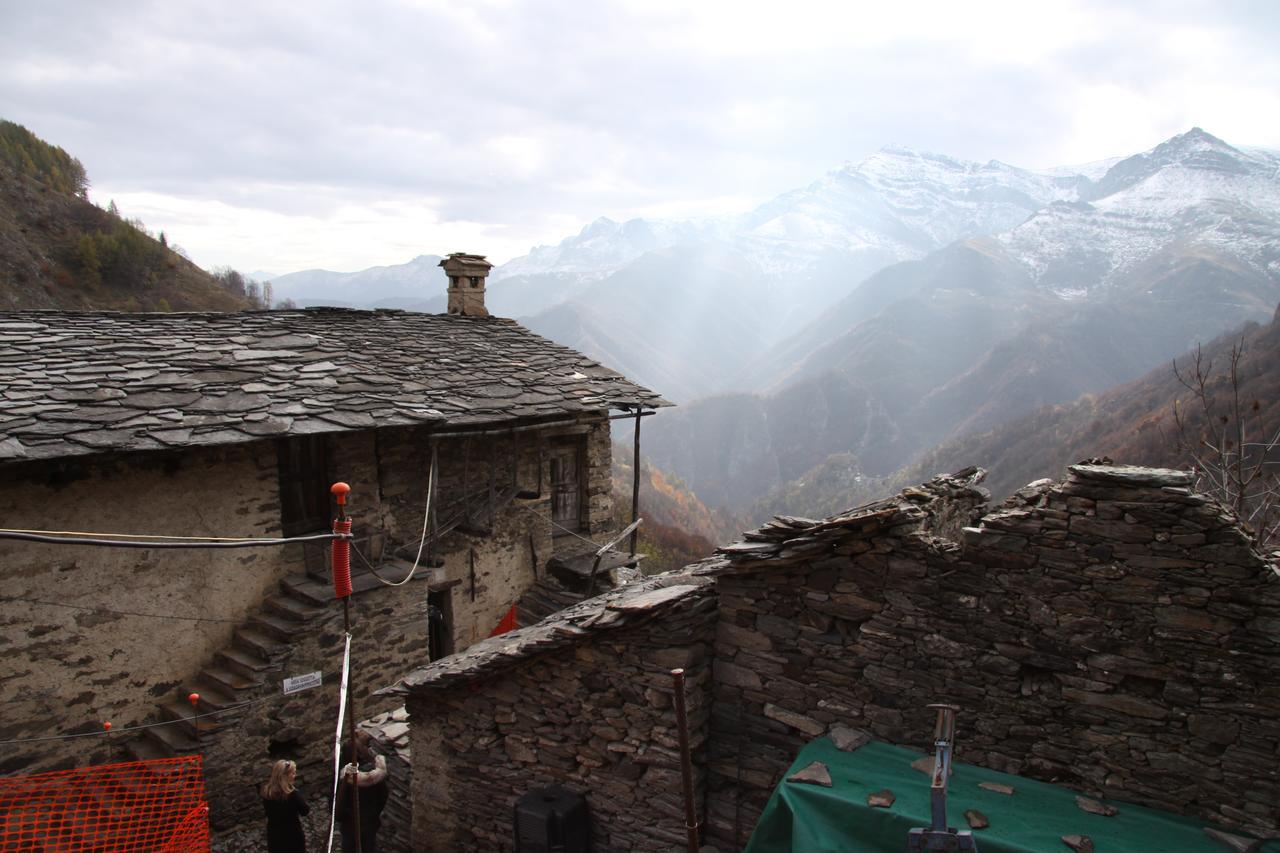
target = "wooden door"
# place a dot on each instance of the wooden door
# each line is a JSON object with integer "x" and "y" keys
{"x": 304, "y": 485}
{"x": 566, "y": 489}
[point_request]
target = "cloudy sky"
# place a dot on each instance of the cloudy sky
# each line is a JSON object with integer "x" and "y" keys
{"x": 280, "y": 136}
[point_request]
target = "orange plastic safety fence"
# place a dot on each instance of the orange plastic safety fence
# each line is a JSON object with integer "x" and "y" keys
{"x": 111, "y": 808}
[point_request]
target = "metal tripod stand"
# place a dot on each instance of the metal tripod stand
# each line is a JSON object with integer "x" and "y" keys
{"x": 938, "y": 836}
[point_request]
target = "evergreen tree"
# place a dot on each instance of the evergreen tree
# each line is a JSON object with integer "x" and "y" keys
{"x": 32, "y": 156}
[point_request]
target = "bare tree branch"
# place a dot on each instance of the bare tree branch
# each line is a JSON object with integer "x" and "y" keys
{"x": 1215, "y": 429}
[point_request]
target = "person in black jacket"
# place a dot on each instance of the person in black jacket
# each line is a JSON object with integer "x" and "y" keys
{"x": 368, "y": 775}
{"x": 285, "y": 809}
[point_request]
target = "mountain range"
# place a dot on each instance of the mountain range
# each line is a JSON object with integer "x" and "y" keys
{"x": 893, "y": 304}
{"x": 1132, "y": 422}
{"x": 1167, "y": 248}
{"x": 418, "y": 285}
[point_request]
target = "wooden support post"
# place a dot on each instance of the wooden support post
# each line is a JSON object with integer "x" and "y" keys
{"x": 433, "y": 491}
{"x": 635, "y": 484}
{"x": 686, "y": 763}
{"x": 493, "y": 483}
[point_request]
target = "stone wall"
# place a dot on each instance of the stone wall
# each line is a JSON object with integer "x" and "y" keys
{"x": 1113, "y": 633}
{"x": 595, "y": 716}
{"x": 388, "y": 628}
{"x": 509, "y": 559}
{"x": 67, "y": 670}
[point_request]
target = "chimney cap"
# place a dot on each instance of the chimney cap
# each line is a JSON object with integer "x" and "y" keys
{"x": 457, "y": 259}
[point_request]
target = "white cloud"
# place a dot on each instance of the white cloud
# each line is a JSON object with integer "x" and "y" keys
{"x": 331, "y": 134}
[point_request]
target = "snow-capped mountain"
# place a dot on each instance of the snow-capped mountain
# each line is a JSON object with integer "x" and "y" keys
{"x": 604, "y": 246}
{"x": 792, "y": 258}
{"x": 1163, "y": 250}
{"x": 1193, "y": 190}
{"x": 899, "y": 203}
{"x": 906, "y": 203}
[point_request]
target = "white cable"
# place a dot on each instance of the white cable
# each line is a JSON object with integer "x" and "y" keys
{"x": 337, "y": 740}
{"x": 426, "y": 516}
{"x": 553, "y": 523}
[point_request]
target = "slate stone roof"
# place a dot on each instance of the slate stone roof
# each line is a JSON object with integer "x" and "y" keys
{"x": 941, "y": 506}
{"x": 623, "y": 607}
{"x": 78, "y": 383}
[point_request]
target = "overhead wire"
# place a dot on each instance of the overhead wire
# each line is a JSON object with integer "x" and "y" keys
{"x": 142, "y": 726}
{"x": 564, "y": 529}
{"x": 188, "y": 543}
{"x": 110, "y": 612}
{"x": 135, "y": 535}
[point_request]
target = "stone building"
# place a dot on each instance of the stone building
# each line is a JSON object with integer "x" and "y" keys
{"x": 235, "y": 425}
{"x": 1115, "y": 633}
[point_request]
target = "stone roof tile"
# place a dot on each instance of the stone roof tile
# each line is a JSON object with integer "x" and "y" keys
{"x": 623, "y": 607}
{"x": 77, "y": 383}
{"x": 788, "y": 540}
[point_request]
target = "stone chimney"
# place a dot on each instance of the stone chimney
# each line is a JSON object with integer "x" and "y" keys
{"x": 466, "y": 283}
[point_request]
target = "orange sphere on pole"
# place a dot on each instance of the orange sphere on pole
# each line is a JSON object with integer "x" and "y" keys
{"x": 193, "y": 698}
{"x": 339, "y": 491}
{"x": 106, "y": 725}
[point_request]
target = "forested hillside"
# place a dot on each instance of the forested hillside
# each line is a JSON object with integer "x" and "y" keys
{"x": 1132, "y": 423}
{"x": 58, "y": 250}
{"x": 678, "y": 528}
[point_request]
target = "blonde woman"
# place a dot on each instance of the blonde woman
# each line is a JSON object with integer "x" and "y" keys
{"x": 285, "y": 809}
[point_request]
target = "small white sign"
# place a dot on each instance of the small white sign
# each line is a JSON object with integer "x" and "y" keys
{"x": 302, "y": 682}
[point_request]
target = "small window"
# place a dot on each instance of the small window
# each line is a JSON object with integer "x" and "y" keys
{"x": 475, "y": 281}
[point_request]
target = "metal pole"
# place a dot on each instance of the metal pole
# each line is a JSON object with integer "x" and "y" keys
{"x": 340, "y": 490}
{"x": 635, "y": 484}
{"x": 686, "y": 762}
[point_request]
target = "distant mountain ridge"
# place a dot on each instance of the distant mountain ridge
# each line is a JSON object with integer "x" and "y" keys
{"x": 774, "y": 269}
{"x": 418, "y": 285}
{"x": 906, "y": 300}
{"x": 1131, "y": 423}
{"x": 1081, "y": 296}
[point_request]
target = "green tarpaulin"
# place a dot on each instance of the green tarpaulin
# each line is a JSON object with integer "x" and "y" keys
{"x": 806, "y": 818}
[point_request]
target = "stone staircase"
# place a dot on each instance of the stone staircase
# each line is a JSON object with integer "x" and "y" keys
{"x": 238, "y": 673}
{"x": 546, "y": 596}
{"x": 569, "y": 580}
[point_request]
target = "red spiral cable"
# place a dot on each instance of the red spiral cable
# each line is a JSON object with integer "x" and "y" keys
{"x": 341, "y": 547}
{"x": 342, "y": 560}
